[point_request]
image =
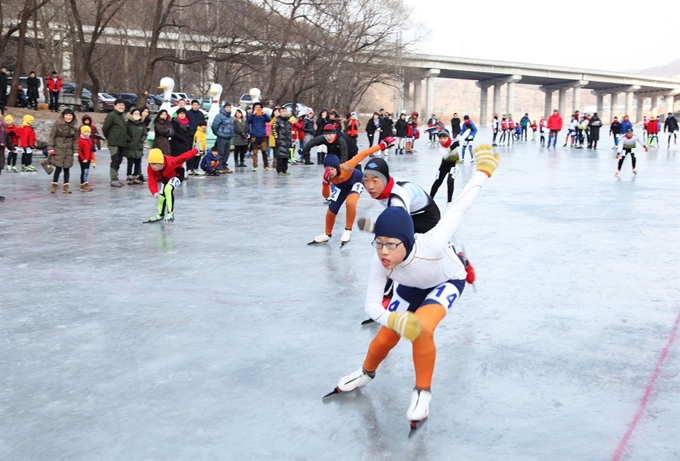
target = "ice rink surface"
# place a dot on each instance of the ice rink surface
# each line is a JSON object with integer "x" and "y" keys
{"x": 214, "y": 338}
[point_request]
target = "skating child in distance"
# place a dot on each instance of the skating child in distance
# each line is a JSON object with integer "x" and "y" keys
{"x": 85, "y": 156}
{"x": 534, "y": 127}
{"x": 448, "y": 149}
{"x": 543, "y": 127}
{"x": 12, "y": 143}
{"x": 201, "y": 145}
{"x": 162, "y": 171}
{"x": 626, "y": 145}
{"x": 670, "y": 126}
{"x": 348, "y": 183}
{"x": 653, "y": 132}
{"x": 27, "y": 141}
{"x": 429, "y": 280}
{"x": 211, "y": 162}
{"x": 467, "y": 137}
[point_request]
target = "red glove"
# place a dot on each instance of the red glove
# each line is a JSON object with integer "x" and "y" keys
{"x": 387, "y": 142}
{"x": 327, "y": 174}
{"x": 51, "y": 152}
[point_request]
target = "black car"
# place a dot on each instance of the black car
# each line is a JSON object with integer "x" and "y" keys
{"x": 130, "y": 99}
{"x": 67, "y": 91}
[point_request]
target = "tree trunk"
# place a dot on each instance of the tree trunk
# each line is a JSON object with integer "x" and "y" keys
{"x": 21, "y": 51}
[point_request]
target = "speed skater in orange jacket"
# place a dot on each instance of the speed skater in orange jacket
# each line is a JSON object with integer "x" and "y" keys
{"x": 348, "y": 183}
{"x": 162, "y": 169}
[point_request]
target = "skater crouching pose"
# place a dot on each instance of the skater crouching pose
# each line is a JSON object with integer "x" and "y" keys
{"x": 429, "y": 279}
{"x": 626, "y": 145}
{"x": 162, "y": 170}
{"x": 348, "y": 183}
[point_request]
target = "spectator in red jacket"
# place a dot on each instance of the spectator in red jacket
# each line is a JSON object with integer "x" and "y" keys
{"x": 54, "y": 87}
{"x": 555, "y": 126}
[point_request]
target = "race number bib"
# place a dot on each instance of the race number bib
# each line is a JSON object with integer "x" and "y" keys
{"x": 175, "y": 182}
{"x": 358, "y": 188}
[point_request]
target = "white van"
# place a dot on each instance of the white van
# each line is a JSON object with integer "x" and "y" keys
{"x": 23, "y": 81}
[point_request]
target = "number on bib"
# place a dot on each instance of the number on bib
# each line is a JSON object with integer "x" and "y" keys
{"x": 358, "y": 188}
{"x": 445, "y": 294}
{"x": 175, "y": 182}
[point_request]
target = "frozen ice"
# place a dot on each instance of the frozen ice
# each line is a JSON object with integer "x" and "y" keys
{"x": 215, "y": 337}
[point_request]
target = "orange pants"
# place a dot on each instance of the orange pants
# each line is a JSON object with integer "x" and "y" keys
{"x": 424, "y": 349}
{"x": 262, "y": 147}
{"x": 350, "y": 214}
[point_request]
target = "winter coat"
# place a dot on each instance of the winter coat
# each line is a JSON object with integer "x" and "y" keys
{"x": 524, "y": 121}
{"x": 223, "y": 124}
{"x": 595, "y": 125}
{"x": 53, "y": 85}
{"x": 671, "y": 124}
{"x": 64, "y": 142}
{"x": 400, "y": 126}
{"x": 468, "y": 125}
{"x": 195, "y": 117}
{"x": 455, "y": 126}
{"x": 258, "y": 125}
{"x": 283, "y": 135}
{"x": 386, "y": 125}
{"x": 136, "y": 135}
{"x": 372, "y": 125}
{"x": 163, "y": 131}
{"x": 615, "y": 128}
{"x": 33, "y": 86}
{"x": 555, "y": 122}
{"x": 625, "y": 126}
{"x": 200, "y": 140}
{"x": 205, "y": 162}
{"x": 115, "y": 129}
{"x": 94, "y": 132}
{"x": 84, "y": 149}
{"x": 181, "y": 140}
{"x": 3, "y": 135}
{"x": 320, "y": 123}
{"x": 308, "y": 126}
{"x": 3, "y": 84}
{"x": 169, "y": 171}
{"x": 352, "y": 127}
{"x": 240, "y": 132}
{"x": 12, "y": 136}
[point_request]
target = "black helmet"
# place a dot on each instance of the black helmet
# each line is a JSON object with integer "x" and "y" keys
{"x": 444, "y": 132}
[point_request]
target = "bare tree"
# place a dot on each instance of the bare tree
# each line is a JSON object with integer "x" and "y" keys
{"x": 6, "y": 31}
{"x": 29, "y": 8}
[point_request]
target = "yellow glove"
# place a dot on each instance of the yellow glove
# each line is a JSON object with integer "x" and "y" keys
{"x": 486, "y": 160}
{"x": 405, "y": 324}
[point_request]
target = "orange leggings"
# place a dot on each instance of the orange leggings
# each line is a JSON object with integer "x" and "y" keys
{"x": 424, "y": 349}
{"x": 350, "y": 215}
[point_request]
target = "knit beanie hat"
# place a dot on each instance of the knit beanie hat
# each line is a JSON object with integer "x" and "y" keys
{"x": 156, "y": 156}
{"x": 85, "y": 129}
{"x": 378, "y": 167}
{"x": 329, "y": 129}
{"x": 332, "y": 160}
{"x": 397, "y": 223}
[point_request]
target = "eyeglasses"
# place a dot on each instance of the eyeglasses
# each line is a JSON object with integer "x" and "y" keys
{"x": 389, "y": 245}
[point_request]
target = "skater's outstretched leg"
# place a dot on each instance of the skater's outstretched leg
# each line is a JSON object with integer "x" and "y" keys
{"x": 424, "y": 349}
{"x": 381, "y": 345}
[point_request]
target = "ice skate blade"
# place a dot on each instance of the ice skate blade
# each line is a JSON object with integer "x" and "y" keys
{"x": 415, "y": 425}
{"x": 316, "y": 243}
{"x": 333, "y": 392}
{"x": 367, "y": 322}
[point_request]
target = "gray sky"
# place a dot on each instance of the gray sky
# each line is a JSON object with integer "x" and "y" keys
{"x": 596, "y": 35}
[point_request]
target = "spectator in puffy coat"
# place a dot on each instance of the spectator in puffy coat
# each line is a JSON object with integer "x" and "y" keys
{"x": 54, "y": 87}
{"x": 181, "y": 141}
{"x": 626, "y": 124}
{"x": 63, "y": 144}
{"x": 223, "y": 128}
{"x": 554, "y": 126}
{"x": 134, "y": 146}
{"x": 257, "y": 123}
{"x": 163, "y": 131}
{"x": 32, "y": 90}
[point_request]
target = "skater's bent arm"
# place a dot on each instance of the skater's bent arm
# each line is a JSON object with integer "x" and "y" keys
{"x": 374, "y": 294}
{"x": 313, "y": 143}
{"x": 444, "y": 230}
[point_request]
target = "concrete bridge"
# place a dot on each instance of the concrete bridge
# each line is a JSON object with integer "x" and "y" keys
{"x": 549, "y": 79}
{"x": 487, "y": 74}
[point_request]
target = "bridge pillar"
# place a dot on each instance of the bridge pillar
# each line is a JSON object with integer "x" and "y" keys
{"x": 600, "y": 105}
{"x": 429, "y": 91}
{"x": 496, "y": 98}
{"x": 576, "y": 98}
{"x": 629, "y": 103}
{"x": 510, "y": 101}
{"x": 670, "y": 100}
{"x": 562, "y": 101}
{"x": 483, "y": 105}
{"x": 547, "y": 105}
{"x": 417, "y": 97}
{"x": 655, "y": 105}
{"x": 406, "y": 96}
{"x": 613, "y": 102}
{"x": 639, "y": 113}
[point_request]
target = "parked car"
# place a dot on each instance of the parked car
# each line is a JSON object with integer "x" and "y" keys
{"x": 175, "y": 97}
{"x": 106, "y": 102}
{"x": 23, "y": 81}
{"x": 301, "y": 109}
{"x": 130, "y": 99}
{"x": 245, "y": 100}
{"x": 68, "y": 89}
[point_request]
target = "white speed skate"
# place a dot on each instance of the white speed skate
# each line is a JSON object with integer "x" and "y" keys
{"x": 323, "y": 238}
{"x": 346, "y": 236}
{"x": 352, "y": 381}
{"x": 419, "y": 409}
